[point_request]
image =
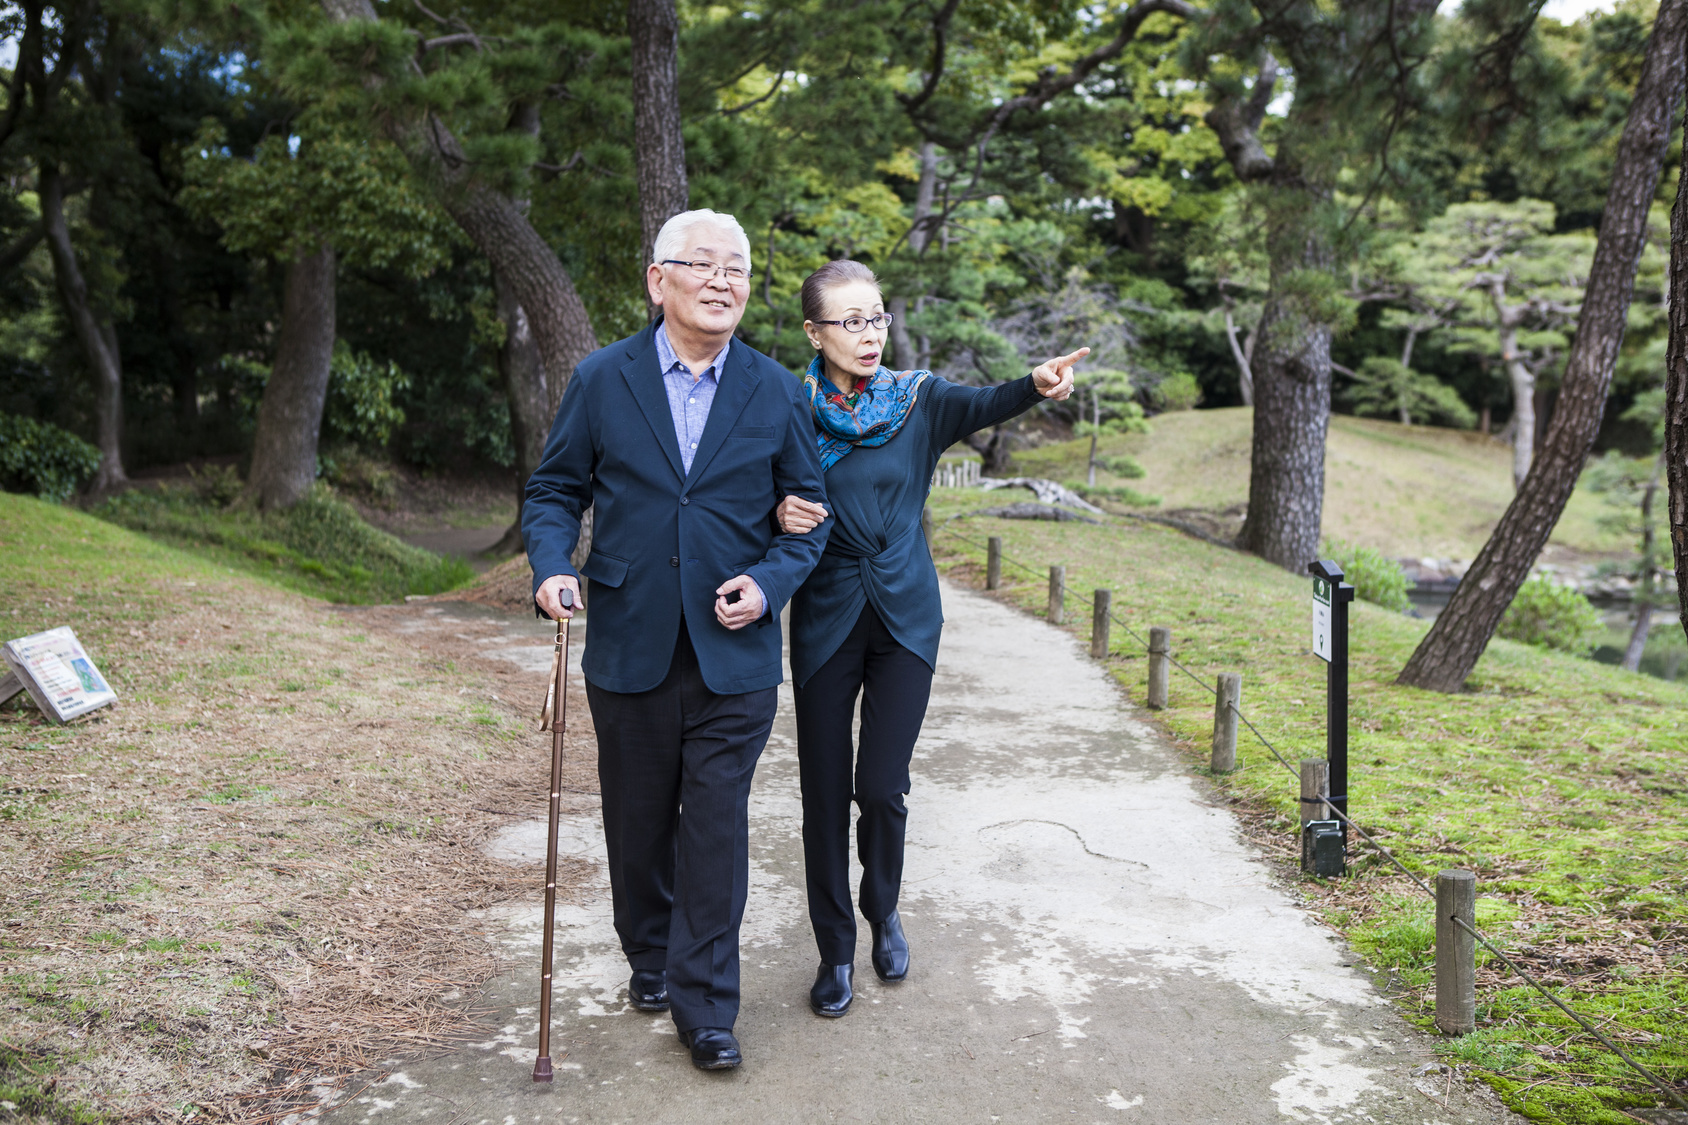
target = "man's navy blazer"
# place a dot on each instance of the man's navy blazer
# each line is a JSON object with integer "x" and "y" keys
{"x": 662, "y": 538}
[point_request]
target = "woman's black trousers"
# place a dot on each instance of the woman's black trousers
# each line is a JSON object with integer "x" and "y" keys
{"x": 895, "y": 685}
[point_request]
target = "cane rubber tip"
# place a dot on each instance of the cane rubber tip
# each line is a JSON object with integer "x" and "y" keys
{"x": 542, "y": 1069}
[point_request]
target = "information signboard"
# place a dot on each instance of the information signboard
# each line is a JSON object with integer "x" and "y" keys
{"x": 1321, "y": 618}
{"x": 58, "y": 673}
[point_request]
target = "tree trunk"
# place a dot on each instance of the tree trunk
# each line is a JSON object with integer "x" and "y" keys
{"x": 660, "y": 152}
{"x": 1461, "y": 631}
{"x": 93, "y": 331}
{"x": 523, "y": 376}
{"x": 284, "y": 449}
{"x": 1245, "y": 372}
{"x": 919, "y": 236}
{"x": 1523, "y": 417}
{"x": 499, "y": 228}
{"x": 1286, "y": 488}
{"x": 992, "y": 450}
{"x": 1676, "y": 394}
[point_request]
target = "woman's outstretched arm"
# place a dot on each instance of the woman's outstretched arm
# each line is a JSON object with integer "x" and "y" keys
{"x": 957, "y": 411}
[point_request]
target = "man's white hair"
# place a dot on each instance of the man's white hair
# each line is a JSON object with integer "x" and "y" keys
{"x": 671, "y": 240}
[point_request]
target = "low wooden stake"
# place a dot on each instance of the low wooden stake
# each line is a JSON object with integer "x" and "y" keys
{"x": 1057, "y": 594}
{"x": 1160, "y": 667}
{"x": 1099, "y": 624}
{"x": 993, "y": 562}
{"x": 1225, "y": 704}
{"x": 1456, "y": 952}
{"x": 1315, "y": 787}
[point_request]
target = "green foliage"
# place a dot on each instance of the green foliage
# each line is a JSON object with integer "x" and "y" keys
{"x": 40, "y": 458}
{"x": 1551, "y": 616}
{"x": 1178, "y": 391}
{"x": 328, "y": 184}
{"x": 1384, "y": 387}
{"x": 1130, "y": 497}
{"x": 1124, "y": 465}
{"x": 319, "y": 545}
{"x": 360, "y": 406}
{"x": 1376, "y": 578}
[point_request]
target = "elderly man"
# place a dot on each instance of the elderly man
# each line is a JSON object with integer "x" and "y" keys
{"x": 685, "y": 439}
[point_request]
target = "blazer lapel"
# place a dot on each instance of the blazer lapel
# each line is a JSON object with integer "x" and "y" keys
{"x": 738, "y": 383}
{"x": 644, "y": 379}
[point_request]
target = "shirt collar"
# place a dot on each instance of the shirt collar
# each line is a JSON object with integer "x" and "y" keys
{"x": 666, "y": 359}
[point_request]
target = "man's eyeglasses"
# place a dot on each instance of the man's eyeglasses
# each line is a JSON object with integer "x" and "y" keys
{"x": 707, "y": 270}
{"x": 860, "y": 323}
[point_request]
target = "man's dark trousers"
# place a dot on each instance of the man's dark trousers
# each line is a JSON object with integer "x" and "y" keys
{"x": 674, "y": 767}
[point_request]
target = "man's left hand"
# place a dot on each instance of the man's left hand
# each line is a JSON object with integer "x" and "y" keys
{"x": 743, "y": 612}
{"x": 1055, "y": 379}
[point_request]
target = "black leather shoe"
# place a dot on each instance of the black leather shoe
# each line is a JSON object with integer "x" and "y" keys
{"x": 890, "y": 949}
{"x": 713, "y": 1048}
{"x": 832, "y": 992}
{"x": 648, "y": 990}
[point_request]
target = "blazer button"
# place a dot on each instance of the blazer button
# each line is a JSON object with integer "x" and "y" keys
{"x": 673, "y": 562}
{"x": 684, "y": 500}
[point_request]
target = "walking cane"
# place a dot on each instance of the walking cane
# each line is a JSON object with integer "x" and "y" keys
{"x": 554, "y": 718}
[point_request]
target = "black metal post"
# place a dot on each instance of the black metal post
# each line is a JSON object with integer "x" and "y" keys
{"x": 1339, "y": 594}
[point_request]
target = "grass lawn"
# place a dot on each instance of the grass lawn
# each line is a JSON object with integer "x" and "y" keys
{"x": 1409, "y": 491}
{"x": 260, "y": 869}
{"x": 1561, "y": 782}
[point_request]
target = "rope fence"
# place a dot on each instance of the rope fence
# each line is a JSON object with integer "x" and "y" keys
{"x": 1455, "y": 966}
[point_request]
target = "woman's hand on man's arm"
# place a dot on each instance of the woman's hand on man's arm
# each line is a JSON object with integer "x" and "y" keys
{"x": 798, "y": 516}
{"x": 1055, "y": 378}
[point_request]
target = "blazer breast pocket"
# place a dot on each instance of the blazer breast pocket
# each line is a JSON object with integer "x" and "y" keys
{"x": 753, "y": 432}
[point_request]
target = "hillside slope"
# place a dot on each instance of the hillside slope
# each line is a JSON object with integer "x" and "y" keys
{"x": 1409, "y": 491}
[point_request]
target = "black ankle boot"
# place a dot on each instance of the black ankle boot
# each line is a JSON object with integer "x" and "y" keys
{"x": 890, "y": 949}
{"x": 832, "y": 991}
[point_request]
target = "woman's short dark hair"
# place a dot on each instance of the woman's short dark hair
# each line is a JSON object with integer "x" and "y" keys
{"x": 832, "y": 274}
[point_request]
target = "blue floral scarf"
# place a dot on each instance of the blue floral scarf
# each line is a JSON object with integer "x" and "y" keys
{"x": 870, "y": 417}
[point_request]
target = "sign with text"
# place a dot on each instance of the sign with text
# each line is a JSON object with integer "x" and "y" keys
{"x": 1321, "y": 618}
{"x": 58, "y": 673}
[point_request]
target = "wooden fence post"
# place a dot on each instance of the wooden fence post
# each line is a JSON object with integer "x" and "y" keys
{"x": 1057, "y": 594}
{"x": 1456, "y": 952}
{"x": 1099, "y": 624}
{"x": 993, "y": 562}
{"x": 1160, "y": 667}
{"x": 1226, "y": 700}
{"x": 1315, "y": 787}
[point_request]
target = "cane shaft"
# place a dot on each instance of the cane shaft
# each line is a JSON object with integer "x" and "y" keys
{"x": 559, "y": 726}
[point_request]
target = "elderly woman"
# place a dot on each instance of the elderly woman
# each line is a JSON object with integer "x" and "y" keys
{"x": 867, "y": 619}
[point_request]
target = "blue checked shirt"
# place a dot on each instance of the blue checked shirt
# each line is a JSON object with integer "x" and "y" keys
{"x": 689, "y": 398}
{"x": 689, "y": 395}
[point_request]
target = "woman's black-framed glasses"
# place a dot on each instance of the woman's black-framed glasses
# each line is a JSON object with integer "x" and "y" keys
{"x": 860, "y": 323}
{"x": 707, "y": 270}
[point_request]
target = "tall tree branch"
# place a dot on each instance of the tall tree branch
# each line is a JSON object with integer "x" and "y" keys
{"x": 1237, "y": 124}
{"x": 935, "y": 71}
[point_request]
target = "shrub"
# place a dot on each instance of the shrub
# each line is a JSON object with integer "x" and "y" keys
{"x": 1125, "y": 466}
{"x": 1179, "y": 391}
{"x": 1130, "y": 497}
{"x": 1376, "y": 578}
{"x": 39, "y": 457}
{"x": 1547, "y": 614}
{"x": 320, "y": 544}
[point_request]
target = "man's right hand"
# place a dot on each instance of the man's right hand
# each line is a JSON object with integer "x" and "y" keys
{"x": 549, "y": 601}
{"x": 798, "y": 516}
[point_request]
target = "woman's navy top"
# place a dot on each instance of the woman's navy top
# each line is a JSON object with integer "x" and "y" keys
{"x": 876, "y": 554}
